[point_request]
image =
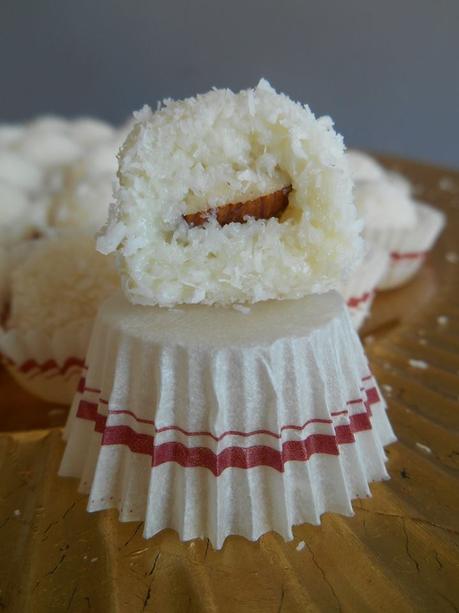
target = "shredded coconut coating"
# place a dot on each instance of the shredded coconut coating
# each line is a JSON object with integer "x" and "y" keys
{"x": 63, "y": 281}
{"x": 221, "y": 148}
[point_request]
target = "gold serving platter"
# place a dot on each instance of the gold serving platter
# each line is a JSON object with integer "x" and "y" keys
{"x": 400, "y": 552}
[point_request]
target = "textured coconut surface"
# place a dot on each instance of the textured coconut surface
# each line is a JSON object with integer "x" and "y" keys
{"x": 398, "y": 553}
{"x": 222, "y": 151}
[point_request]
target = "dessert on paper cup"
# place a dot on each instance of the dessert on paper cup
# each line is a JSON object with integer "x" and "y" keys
{"x": 394, "y": 221}
{"x": 359, "y": 290}
{"x": 55, "y": 290}
{"x": 225, "y": 390}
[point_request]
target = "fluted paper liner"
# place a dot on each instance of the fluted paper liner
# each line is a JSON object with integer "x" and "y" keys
{"x": 48, "y": 366}
{"x": 214, "y": 422}
{"x": 407, "y": 247}
{"x": 359, "y": 289}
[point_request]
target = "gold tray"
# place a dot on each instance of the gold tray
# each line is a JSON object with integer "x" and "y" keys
{"x": 398, "y": 553}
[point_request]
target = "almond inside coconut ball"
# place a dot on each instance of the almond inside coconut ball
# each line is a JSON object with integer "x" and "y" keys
{"x": 188, "y": 224}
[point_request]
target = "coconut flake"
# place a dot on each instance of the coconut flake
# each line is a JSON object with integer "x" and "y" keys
{"x": 452, "y": 257}
{"x": 241, "y": 308}
{"x": 418, "y": 364}
{"x": 424, "y": 448}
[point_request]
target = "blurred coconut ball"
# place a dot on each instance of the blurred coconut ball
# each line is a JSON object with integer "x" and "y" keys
{"x": 61, "y": 281}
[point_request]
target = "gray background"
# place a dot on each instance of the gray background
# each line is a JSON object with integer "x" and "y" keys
{"x": 386, "y": 71}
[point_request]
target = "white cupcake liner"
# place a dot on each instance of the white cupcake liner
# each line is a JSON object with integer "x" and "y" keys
{"x": 213, "y": 422}
{"x": 3, "y": 278}
{"x": 48, "y": 367}
{"x": 359, "y": 290}
{"x": 407, "y": 247}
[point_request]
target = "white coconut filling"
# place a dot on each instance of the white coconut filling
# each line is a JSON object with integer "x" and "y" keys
{"x": 222, "y": 148}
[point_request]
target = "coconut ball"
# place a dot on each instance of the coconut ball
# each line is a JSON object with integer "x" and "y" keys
{"x": 385, "y": 203}
{"x": 363, "y": 167}
{"x": 47, "y": 143}
{"x": 62, "y": 282}
{"x": 89, "y": 131}
{"x": 19, "y": 172}
{"x": 223, "y": 148}
{"x": 10, "y": 133}
{"x": 383, "y": 198}
{"x": 82, "y": 202}
{"x": 87, "y": 189}
{"x": 14, "y": 204}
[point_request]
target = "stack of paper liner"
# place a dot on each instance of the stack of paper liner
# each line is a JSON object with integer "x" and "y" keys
{"x": 214, "y": 421}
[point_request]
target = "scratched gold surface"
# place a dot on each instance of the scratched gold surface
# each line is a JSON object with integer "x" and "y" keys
{"x": 398, "y": 553}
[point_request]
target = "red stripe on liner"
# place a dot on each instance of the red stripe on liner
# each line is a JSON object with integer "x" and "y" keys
{"x": 33, "y": 368}
{"x": 80, "y": 386}
{"x": 231, "y": 457}
{"x": 413, "y": 255}
{"x": 70, "y": 363}
{"x": 29, "y": 365}
{"x": 354, "y": 301}
{"x": 234, "y": 457}
{"x": 373, "y": 395}
{"x": 98, "y": 391}
{"x": 88, "y": 410}
{"x": 247, "y": 434}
